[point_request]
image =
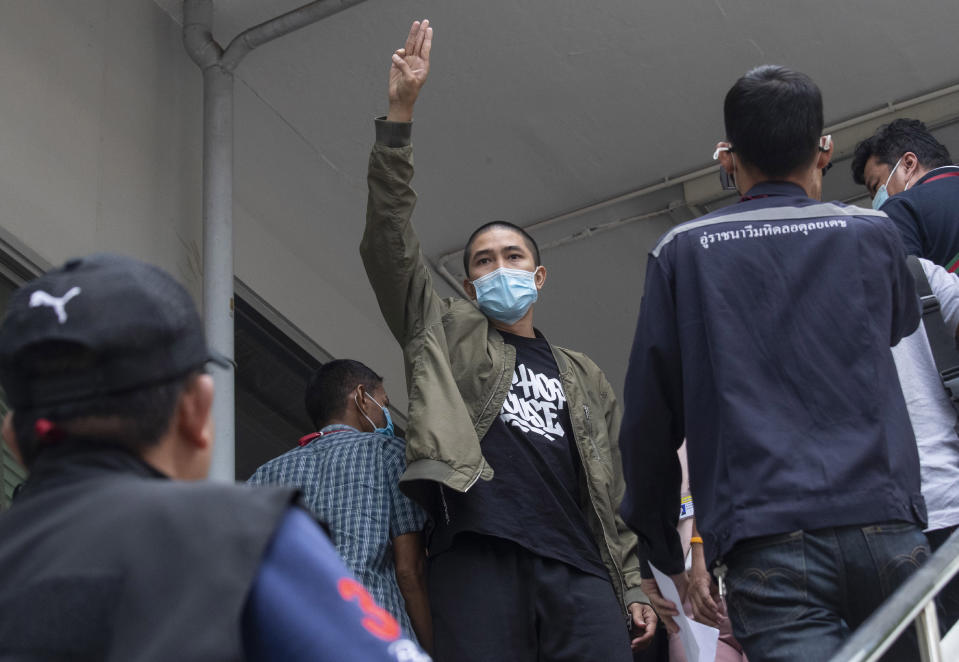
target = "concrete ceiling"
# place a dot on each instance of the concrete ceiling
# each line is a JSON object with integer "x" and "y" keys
{"x": 538, "y": 107}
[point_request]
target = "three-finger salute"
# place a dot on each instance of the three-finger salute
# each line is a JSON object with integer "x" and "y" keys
{"x": 410, "y": 67}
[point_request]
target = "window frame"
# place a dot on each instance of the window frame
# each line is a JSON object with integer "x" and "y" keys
{"x": 18, "y": 264}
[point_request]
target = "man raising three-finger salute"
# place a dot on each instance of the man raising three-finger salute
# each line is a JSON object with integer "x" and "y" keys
{"x": 528, "y": 559}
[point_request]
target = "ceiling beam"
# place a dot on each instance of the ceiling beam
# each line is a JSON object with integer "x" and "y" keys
{"x": 701, "y": 187}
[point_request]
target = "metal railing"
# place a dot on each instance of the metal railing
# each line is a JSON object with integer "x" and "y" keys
{"x": 913, "y": 602}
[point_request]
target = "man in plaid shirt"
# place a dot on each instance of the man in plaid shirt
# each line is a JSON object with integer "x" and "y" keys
{"x": 349, "y": 473}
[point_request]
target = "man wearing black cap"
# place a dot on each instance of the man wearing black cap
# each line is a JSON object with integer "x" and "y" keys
{"x": 102, "y": 557}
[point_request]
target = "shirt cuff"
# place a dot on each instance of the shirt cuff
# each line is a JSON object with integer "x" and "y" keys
{"x": 636, "y": 594}
{"x": 393, "y": 134}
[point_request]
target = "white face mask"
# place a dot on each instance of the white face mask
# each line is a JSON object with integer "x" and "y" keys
{"x": 882, "y": 194}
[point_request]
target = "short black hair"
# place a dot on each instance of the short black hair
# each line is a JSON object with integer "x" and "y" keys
{"x": 134, "y": 419}
{"x": 774, "y": 119}
{"x": 328, "y": 387}
{"x": 891, "y": 141}
{"x": 530, "y": 242}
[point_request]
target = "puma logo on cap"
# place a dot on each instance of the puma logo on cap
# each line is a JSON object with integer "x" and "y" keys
{"x": 41, "y": 298}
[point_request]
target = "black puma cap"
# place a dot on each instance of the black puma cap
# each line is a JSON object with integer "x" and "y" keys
{"x": 130, "y": 323}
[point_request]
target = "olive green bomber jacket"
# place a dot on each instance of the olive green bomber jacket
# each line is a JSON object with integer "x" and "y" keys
{"x": 459, "y": 370}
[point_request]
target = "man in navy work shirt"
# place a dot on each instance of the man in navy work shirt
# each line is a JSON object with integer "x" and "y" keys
{"x": 115, "y": 549}
{"x": 911, "y": 177}
{"x": 763, "y": 338}
{"x": 349, "y": 473}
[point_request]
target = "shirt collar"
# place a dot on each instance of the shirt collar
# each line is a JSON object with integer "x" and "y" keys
{"x": 73, "y": 460}
{"x": 337, "y": 426}
{"x": 941, "y": 170}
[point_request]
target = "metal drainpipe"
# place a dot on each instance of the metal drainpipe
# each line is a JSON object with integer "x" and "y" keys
{"x": 218, "y": 258}
{"x": 217, "y": 65}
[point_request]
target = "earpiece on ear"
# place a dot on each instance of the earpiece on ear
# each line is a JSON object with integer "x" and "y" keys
{"x": 825, "y": 143}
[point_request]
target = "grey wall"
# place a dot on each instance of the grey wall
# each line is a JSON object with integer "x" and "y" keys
{"x": 100, "y": 149}
{"x": 99, "y": 126}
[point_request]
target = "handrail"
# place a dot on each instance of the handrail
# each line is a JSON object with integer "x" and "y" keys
{"x": 906, "y": 605}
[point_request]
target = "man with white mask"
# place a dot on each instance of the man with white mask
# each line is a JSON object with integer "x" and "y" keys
{"x": 530, "y": 562}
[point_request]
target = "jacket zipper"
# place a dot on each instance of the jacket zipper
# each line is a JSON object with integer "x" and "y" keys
{"x": 619, "y": 572}
{"x": 589, "y": 432}
{"x": 479, "y": 416}
{"x": 446, "y": 509}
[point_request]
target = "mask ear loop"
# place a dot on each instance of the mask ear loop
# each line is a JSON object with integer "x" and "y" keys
{"x": 726, "y": 179}
{"x": 363, "y": 413}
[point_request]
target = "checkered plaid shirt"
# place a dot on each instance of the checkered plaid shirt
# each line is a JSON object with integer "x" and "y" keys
{"x": 349, "y": 480}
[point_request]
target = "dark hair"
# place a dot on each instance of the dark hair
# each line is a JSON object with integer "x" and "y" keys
{"x": 891, "y": 141}
{"x": 329, "y": 386}
{"x": 530, "y": 242}
{"x": 134, "y": 419}
{"x": 773, "y": 119}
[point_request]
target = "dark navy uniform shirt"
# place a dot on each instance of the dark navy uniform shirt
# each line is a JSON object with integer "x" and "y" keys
{"x": 927, "y": 216}
{"x": 763, "y": 338}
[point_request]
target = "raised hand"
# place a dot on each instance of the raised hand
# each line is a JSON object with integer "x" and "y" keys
{"x": 411, "y": 66}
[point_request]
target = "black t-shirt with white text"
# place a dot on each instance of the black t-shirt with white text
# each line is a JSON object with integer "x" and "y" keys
{"x": 533, "y": 499}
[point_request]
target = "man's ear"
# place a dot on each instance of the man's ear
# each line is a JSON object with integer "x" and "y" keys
{"x": 194, "y": 412}
{"x": 470, "y": 290}
{"x": 910, "y": 163}
{"x": 539, "y": 277}
{"x": 10, "y": 436}
{"x": 358, "y": 398}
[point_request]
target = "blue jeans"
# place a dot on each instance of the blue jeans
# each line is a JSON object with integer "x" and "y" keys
{"x": 796, "y": 597}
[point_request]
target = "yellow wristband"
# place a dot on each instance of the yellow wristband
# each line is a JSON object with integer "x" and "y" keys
{"x": 695, "y": 540}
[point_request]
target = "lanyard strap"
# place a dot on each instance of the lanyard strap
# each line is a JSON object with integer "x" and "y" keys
{"x": 305, "y": 439}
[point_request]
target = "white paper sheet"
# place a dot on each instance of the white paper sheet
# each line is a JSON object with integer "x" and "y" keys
{"x": 699, "y": 641}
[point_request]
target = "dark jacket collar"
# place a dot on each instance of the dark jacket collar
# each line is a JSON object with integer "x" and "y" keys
{"x": 941, "y": 170}
{"x": 72, "y": 461}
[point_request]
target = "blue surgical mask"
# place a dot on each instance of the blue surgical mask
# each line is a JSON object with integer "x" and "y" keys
{"x": 506, "y": 294}
{"x": 388, "y": 430}
{"x": 882, "y": 194}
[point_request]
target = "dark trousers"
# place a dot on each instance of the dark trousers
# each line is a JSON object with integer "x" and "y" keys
{"x": 493, "y": 600}
{"x": 796, "y": 597}
{"x": 949, "y": 597}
